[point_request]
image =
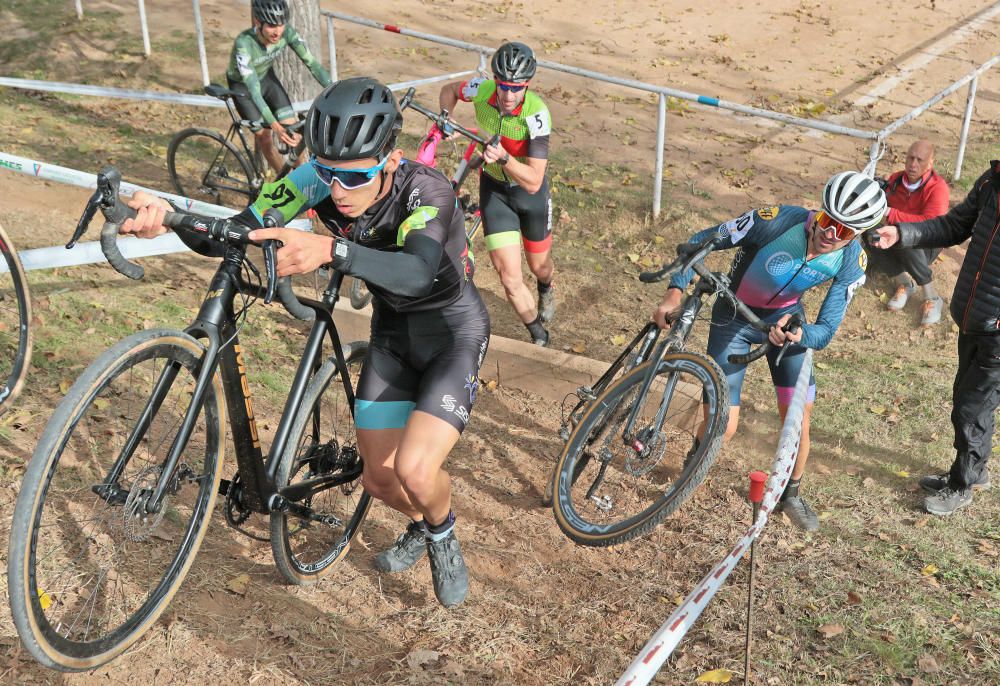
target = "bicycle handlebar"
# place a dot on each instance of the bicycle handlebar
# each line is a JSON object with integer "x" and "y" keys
{"x": 441, "y": 120}
{"x": 115, "y": 212}
{"x": 691, "y": 256}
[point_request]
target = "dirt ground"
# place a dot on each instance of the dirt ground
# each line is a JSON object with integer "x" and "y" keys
{"x": 541, "y": 610}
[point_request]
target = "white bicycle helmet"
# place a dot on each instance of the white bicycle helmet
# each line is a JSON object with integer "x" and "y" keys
{"x": 854, "y": 200}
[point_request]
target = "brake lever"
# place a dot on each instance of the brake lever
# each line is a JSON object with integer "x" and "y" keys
{"x": 88, "y": 214}
{"x": 793, "y": 325}
{"x": 407, "y": 99}
{"x": 272, "y": 218}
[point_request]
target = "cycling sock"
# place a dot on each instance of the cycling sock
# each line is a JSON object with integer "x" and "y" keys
{"x": 904, "y": 280}
{"x": 536, "y": 329}
{"x": 435, "y": 532}
{"x": 544, "y": 287}
{"x": 792, "y": 489}
{"x": 929, "y": 292}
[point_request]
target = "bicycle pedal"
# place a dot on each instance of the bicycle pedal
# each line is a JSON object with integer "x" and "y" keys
{"x": 602, "y": 502}
{"x": 586, "y": 393}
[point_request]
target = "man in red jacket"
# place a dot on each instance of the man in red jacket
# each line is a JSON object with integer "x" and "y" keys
{"x": 914, "y": 194}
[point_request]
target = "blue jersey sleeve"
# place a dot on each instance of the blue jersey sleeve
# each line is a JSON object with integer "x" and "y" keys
{"x": 291, "y": 195}
{"x": 752, "y": 228}
{"x": 848, "y": 279}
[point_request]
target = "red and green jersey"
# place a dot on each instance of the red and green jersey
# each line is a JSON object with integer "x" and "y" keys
{"x": 523, "y": 133}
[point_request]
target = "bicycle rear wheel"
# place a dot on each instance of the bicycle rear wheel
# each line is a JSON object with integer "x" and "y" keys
{"x": 322, "y": 443}
{"x": 607, "y": 491}
{"x": 205, "y": 166}
{"x": 15, "y": 324}
{"x": 89, "y": 568}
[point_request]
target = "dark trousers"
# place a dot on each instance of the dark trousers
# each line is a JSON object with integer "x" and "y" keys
{"x": 975, "y": 397}
{"x": 914, "y": 261}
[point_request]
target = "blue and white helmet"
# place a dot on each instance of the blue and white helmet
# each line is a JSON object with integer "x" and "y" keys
{"x": 854, "y": 200}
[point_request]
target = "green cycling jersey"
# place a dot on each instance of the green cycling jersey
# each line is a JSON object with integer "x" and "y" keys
{"x": 250, "y": 61}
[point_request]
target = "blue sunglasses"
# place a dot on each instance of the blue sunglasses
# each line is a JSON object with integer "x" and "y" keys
{"x": 511, "y": 87}
{"x": 349, "y": 179}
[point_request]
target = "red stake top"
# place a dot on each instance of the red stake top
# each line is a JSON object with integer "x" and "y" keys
{"x": 757, "y": 481}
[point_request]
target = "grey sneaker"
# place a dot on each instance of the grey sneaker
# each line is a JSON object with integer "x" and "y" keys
{"x": 931, "y": 312}
{"x": 409, "y": 547}
{"x": 947, "y": 500}
{"x": 938, "y": 482}
{"x": 547, "y": 305}
{"x": 898, "y": 300}
{"x": 451, "y": 578}
{"x": 800, "y": 513}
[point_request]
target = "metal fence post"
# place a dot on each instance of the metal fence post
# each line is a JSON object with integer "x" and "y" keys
{"x": 873, "y": 155}
{"x": 201, "y": 43}
{"x": 79, "y": 9}
{"x": 331, "y": 47}
{"x": 482, "y": 63}
{"x": 145, "y": 27}
{"x": 661, "y": 130}
{"x": 959, "y": 158}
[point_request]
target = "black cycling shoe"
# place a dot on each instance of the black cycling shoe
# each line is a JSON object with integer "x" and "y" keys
{"x": 939, "y": 482}
{"x": 542, "y": 342}
{"x": 451, "y": 578}
{"x": 799, "y": 512}
{"x": 408, "y": 549}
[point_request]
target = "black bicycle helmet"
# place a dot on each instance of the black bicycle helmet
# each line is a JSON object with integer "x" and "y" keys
{"x": 273, "y": 12}
{"x": 514, "y": 62}
{"x": 353, "y": 119}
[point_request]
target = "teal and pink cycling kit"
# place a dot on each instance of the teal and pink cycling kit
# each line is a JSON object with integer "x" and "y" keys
{"x": 770, "y": 273}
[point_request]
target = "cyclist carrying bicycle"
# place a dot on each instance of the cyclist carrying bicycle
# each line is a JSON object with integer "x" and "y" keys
{"x": 514, "y": 193}
{"x": 781, "y": 253}
{"x": 401, "y": 230}
{"x": 260, "y": 96}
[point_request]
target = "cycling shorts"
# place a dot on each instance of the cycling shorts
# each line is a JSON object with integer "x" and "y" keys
{"x": 273, "y": 93}
{"x": 732, "y": 335}
{"x": 427, "y": 360}
{"x": 511, "y": 214}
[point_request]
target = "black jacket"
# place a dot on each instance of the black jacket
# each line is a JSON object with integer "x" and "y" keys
{"x": 975, "y": 305}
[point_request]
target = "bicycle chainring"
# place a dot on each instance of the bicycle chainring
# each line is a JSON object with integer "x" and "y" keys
{"x": 138, "y": 524}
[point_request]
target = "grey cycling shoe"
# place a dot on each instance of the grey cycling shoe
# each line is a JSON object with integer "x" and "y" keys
{"x": 405, "y": 552}
{"x": 800, "y": 513}
{"x": 451, "y": 578}
{"x": 547, "y": 305}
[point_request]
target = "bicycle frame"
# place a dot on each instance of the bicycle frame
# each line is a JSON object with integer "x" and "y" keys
{"x": 215, "y": 324}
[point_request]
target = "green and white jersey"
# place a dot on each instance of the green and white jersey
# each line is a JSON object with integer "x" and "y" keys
{"x": 250, "y": 61}
{"x": 523, "y": 133}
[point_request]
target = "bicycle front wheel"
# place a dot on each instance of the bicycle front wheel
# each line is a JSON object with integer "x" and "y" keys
{"x": 15, "y": 323}
{"x": 90, "y": 567}
{"x": 322, "y": 444}
{"x": 609, "y": 490}
{"x": 205, "y": 166}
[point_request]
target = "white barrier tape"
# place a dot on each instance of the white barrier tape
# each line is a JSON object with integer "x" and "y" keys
{"x": 656, "y": 651}
{"x": 90, "y": 252}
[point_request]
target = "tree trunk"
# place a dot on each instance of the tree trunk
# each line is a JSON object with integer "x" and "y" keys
{"x": 293, "y": 75}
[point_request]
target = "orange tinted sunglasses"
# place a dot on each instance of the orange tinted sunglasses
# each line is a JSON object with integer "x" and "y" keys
{"x": 842, "y": 232}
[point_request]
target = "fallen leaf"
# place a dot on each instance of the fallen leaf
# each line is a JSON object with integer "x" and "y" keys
{"x": 853, "y": 598}
{"x": 922, "y": 522}
{"x": 239, "y": 584}
{"x": 419, "y": 658}
{"x": 578, "y": 348}
{"x": 903, "y": 473}
{"x": 618, "y": 340}
{"x": 877, "y": 409}
{"x": 716, "y": 676}
{"x": 929, "y": 570}
{"x": 831, "y": 630}
{"x": 927, "y": 663}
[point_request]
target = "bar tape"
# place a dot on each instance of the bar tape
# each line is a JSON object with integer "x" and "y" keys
{"x": 656, "y": 651}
